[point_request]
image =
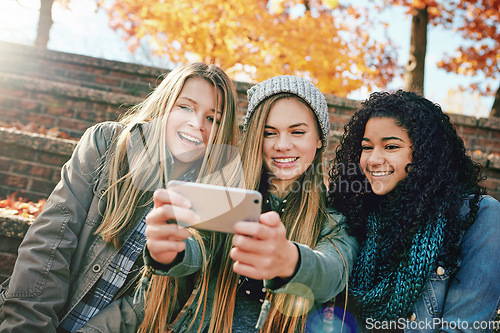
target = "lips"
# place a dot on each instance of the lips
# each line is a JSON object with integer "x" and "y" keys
{"x": 381, "y": 173}
{"x": 285, "y": 162}
{"x": 285, "y": 159}
{"x": 189, "y": 139}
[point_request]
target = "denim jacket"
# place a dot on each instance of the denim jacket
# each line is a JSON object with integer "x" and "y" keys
{"x": 467, "y": 301}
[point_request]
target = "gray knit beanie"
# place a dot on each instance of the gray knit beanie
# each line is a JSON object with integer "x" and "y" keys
{"x": 293, "y": 85}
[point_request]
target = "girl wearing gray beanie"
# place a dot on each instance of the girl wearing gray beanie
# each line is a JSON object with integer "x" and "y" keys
{"x": 298, "y": 257}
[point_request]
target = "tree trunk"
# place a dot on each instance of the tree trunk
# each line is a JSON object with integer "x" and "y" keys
{"x": 414, "y": 69}
{"x": 495, "y": 109}
{"x": 44, "y": 23}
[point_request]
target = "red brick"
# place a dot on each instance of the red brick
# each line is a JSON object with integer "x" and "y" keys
{"x": 73, "y": 124}
{"x": 60, "y": 110}
{"x": 495, "y": 134}
{"x": 28, "y": 105}
{"x": 6, "y": 101}
{"x": 41, "y": 119}
{"x": 13, "y": 92}
{"x": 52, "y": 159}
{"x": 488, "y": 143}
{"x": 107, "y": 81}
{"x": 5, "y": 163}
{"x": 465, "y": 130}
{"x": 43, "y": 186}
{"x": 16, "y": 152}
{"x": 483, "y": 133}
{"x": 36, "y": 170}
{"x": 13, "y": 181}
{"x": 57, "y": 176}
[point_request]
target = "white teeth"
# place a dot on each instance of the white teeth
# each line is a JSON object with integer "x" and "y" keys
{"x": 381, "y": 173}
{"x": 285, "y": 160}
{"x": 190, "y": 138}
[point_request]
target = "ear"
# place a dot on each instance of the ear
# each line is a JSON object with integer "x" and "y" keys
{"x": 319, "y": 144}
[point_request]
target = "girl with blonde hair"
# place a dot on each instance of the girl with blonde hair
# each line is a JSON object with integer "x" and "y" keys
{"x": 82, "y": 253}
{"x": 268, "y": 275}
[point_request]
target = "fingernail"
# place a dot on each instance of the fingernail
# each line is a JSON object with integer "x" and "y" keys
{"x": 196, "y": 218}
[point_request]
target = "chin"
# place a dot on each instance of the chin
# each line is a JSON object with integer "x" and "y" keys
{"x": 189, "y": 156}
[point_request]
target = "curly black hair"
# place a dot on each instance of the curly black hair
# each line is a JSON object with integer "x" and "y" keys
{"x": 441, "y": 175}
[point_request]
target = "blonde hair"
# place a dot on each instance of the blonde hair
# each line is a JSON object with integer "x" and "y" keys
{"x": 128, "y": 189}
{"x": 303, "y": 217}
{"x": 129, "y": 181}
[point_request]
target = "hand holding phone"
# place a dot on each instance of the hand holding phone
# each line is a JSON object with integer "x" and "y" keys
{"x": 219, "y": 207}
{"x": 165, "y": 240}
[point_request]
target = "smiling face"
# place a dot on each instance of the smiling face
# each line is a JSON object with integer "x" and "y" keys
{"x": 194, "y": 115}
{"x": 290, "y": 142}
{"x": 386, "y": 151}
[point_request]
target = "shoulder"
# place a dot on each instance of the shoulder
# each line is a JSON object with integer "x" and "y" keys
{"x": 105, "y": 129}
{"x": 100, "y": 135}
{"x": 488, "y": 202}
{"x": 489, "y": 208}
{"x": 486, "y": 228}
{"x": 489, "y": 213}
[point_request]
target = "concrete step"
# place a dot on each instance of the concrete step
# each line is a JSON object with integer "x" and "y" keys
{"x": 69, "y": 107}
{"x": 90, "y": 72}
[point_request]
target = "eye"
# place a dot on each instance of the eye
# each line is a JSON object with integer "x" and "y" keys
{"x": 299, "y": 132}
{"x": 211, "y": 120}
{"x": 186, "y": 108}
{"x": 366, "y": 148}
{"x": 391, "y": 147}
{"x": 268, "y": 134}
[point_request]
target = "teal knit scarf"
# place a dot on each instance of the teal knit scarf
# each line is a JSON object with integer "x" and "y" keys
{"x": 389, "y": 294}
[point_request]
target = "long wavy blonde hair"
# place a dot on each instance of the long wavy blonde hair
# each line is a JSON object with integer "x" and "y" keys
{"x": 135, "y": 170}
{"x": 303, "y": 218}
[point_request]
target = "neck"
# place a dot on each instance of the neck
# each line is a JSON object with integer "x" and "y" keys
{"x": 280, "y": 188}
{"x": 179, "y": 168}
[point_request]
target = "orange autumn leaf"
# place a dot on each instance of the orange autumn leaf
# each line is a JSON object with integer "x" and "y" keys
{"x": 18, "y": 206}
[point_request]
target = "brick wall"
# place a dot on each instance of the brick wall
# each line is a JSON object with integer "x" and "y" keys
{"x": 74, "y": 92}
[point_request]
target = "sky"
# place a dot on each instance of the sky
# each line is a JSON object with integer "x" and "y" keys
{"x": 83, "y": 30}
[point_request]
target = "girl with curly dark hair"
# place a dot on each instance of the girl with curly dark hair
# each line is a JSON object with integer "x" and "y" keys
{"x": 429, "y": 236}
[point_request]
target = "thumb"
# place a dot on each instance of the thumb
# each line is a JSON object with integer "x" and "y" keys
{"x": 271, "y": 219}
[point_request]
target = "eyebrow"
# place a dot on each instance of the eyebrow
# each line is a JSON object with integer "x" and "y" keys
{"x": 291, "y": 126}
{"x": 194, "y": 102}
{"x": 387, "y": 138}
{"x": 189, "y": 99}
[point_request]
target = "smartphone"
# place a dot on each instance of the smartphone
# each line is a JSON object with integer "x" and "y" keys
{"x": 219, "y": 207}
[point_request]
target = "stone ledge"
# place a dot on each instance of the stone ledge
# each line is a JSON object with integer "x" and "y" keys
{"x": 37, "y": 141}
{"x": 65, "y": 89}
{"x": 489, "y": 123}
{"x": 32, "y": 52}
{"x": 14, "y": 226}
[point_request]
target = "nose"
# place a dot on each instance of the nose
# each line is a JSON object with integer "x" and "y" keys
{"x": 283, "y": 143}
{"x": 375, "y": 158}
{"x": 194, "y": 122}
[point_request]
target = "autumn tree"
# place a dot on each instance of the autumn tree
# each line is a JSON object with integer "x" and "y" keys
{"x": 477, "y": 21}
{"x": 254, "y": 40}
